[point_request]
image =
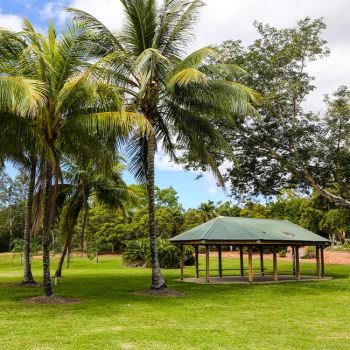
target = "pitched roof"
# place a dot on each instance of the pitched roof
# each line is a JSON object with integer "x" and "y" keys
{"x": 235, "y": 230}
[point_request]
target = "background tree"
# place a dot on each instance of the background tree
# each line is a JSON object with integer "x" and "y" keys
{"x": 285, "y": 146}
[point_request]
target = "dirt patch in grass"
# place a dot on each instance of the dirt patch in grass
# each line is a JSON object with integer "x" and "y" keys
{"x": 26, "y": 285}
{"x": 160, "y": 293}
{"x": 54, "y": 300}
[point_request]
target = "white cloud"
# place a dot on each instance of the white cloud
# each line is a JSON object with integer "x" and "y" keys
{"x": 10, "y": 21}
{"x": 163, "y": 163}
{"x": 54, "y": 10}
{"x": 109, "y": 12}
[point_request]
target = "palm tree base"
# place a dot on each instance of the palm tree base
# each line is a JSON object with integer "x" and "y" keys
{"x": 163, "y": 292}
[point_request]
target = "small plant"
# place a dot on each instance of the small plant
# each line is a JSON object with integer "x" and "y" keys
{"x": 310, "y": 253}
{"x": 17, "y": 249}
{"x": 282, "y": 253}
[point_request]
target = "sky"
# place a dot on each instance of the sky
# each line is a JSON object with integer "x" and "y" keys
{"x": 220, "y": 20}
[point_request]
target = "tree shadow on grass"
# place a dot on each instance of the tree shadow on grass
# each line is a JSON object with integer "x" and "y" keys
{"x": 119, "y": 287}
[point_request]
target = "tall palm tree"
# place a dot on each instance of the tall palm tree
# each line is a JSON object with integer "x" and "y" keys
{"x": 74, "y": 102}
{"x": 178, "y": 96}
{"x": 20, "y": 99}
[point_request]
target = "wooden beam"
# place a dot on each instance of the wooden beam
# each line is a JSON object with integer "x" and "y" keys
{"x": 297, "y": 264}
{"x": 207, "y": 277}
{"x": 262, "y": 260}
{"x": 250, "y": 265}
{"x": 220, "y": 261}
{"x": 182, "y": 262}
{"x": 318, "y": 262}
{"x": 293, "y": 258}
{"x": 275, "y": 275}
{"x": 322, "y": 262}
{"x": 241, "y": 260}
{"x": 196, "y": 258}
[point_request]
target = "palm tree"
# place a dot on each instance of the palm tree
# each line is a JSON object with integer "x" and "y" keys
{"x": 209, "y": 210}
{"x": 20, "y": 99}
{"x": 73, "y": 102}
{"x": 180, "y": 97}
{"x": 86, "y": 179}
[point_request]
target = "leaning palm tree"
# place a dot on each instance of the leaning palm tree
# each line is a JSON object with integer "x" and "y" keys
{"x": 84, "y": 180}
{"x": 182, "y": 98}
{"x": 75, "y": 102}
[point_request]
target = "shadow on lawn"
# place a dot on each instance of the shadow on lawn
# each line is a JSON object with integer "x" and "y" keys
{"x": 121, "y": 289}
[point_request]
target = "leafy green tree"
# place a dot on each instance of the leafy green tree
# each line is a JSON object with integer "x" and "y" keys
{"x": 337, "y": 223}
{"x": 177, "y": 95}
{"x": 285, "y": 146}
{"x": 168, "y": 198}
{"x": 254, "y": 210}
{"x": 192, "y": 218}
{"x": 227, "y": 209}
{"x": 12, "y": 202}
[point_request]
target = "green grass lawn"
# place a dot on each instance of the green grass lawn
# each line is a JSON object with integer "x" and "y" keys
{"x": 297, "y": 315}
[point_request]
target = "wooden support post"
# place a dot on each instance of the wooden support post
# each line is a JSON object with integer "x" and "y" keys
{"x": 197, "y": 262}
{"x": 293, "y": 258}
{"x": 182, "y": 262}
{"x": 275, "y": 275}
{"x": 322, "y": 262}
{"x": 207, "y": 277}
{"x": 262, "y": 260}
{"x": 297, "y": 264}
{"x": 250, "y": 265}
{"x": 318, "y": 262}
{"x": 241, "y": 260}
{"x": 220, "y": 261}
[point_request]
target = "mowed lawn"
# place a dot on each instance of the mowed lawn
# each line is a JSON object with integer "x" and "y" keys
{"x": 297, "y": 315}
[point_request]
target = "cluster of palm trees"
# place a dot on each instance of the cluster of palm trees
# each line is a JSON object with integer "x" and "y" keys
{"x": 74, "y": 101}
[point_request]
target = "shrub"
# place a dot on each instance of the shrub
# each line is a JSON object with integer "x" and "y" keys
{"x": 137, "y": 254}
{"x": 282, "y": 253}
{"x": 168, "y": 254}
{"x": 310, "y": 253}
{"x": 189, "y": 258}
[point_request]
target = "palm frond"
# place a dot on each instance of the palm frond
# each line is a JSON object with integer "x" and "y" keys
{"x": 20, "y": 95}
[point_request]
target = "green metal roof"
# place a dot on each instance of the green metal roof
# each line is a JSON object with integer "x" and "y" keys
{"x": 230, "y": 229}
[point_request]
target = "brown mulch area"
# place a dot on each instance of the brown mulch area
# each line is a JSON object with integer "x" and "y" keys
{"x": 330, "y": 257}
{"x": 51, "y": 300}
{"x": 26, "y": 285}
{"x": 160, "y": 293}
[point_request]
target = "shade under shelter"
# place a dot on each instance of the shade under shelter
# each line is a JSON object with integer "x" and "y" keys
{"x": 251, "y": 235}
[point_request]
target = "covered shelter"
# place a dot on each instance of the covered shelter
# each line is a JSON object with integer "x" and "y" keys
{"x": 251, "y": 234}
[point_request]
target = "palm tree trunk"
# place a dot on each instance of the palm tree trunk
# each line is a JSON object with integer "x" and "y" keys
{"x": 46, "y": 232}
{"x": 158, "y": 281}
{"x": 28, "y": 276}
{"x": 82, "y": 237}
{"x": 58, "y": 272}
{"x": 68, "y": 256}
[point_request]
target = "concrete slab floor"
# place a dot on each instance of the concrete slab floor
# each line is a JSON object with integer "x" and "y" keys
{"x": 257, "y": 279}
